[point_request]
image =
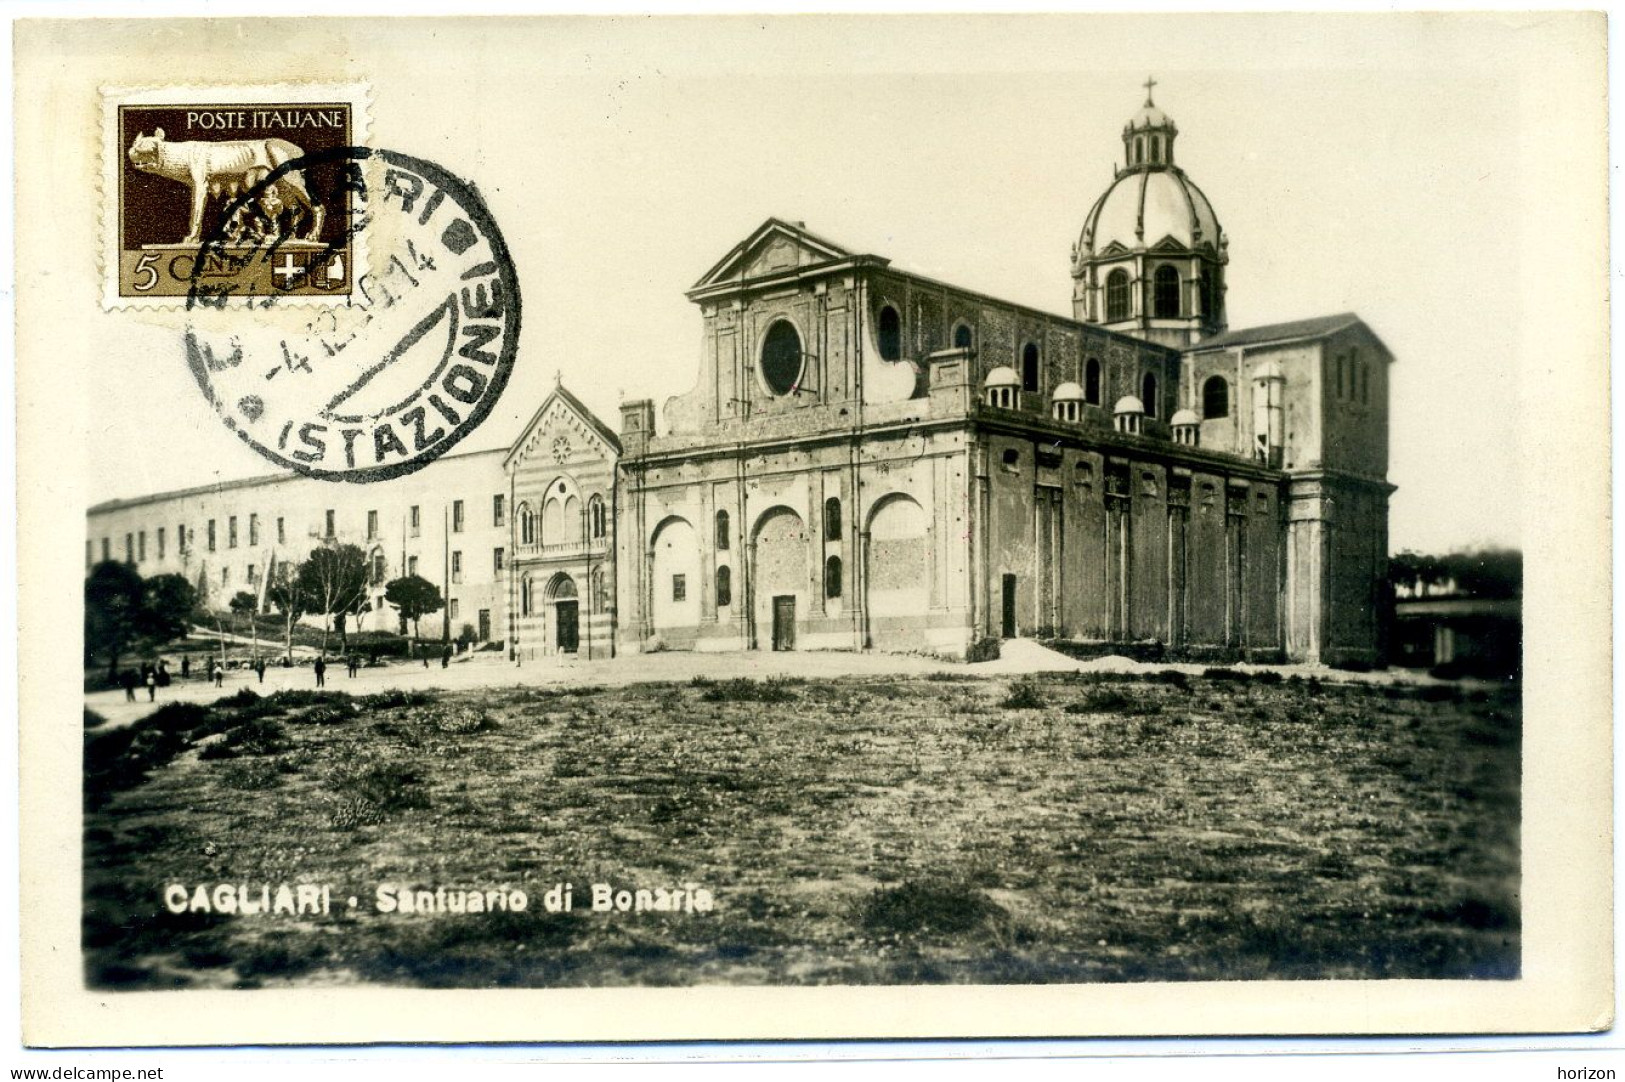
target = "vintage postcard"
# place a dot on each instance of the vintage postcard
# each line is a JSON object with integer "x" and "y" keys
{"x": 987, "y": 527}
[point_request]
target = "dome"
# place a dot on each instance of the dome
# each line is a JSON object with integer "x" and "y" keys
{"x": 1184, "y": 417}
{"x": 1128, "y": 404}
{"x": 1069, "y": 392}
{"x": 1003, "y": 376}
{"x": 1149, "y": 116}
{"x": 1145, "y": 206}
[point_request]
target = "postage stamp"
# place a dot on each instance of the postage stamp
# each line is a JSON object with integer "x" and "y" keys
{"x": 178, "y": 165}
{"x": 396, "y": 377}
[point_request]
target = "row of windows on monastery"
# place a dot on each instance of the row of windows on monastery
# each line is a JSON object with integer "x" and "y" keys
{"x": 246, "y": 530}
{"x": 379, "y": 568}
{"x": 135, "y": 542}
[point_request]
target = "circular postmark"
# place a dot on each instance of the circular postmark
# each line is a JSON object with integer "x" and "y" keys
{"x": 383, "y": 379}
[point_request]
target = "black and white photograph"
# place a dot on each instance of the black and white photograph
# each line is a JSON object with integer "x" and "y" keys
{"x": 839, "y": 526}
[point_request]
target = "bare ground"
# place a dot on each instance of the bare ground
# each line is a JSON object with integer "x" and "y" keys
{"x": 933, "y": 827}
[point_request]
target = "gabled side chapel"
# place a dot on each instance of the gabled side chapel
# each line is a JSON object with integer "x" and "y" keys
{"x": 874, "y": 459}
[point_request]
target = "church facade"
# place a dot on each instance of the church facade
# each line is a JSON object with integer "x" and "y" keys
{"x": 875, "y": 459}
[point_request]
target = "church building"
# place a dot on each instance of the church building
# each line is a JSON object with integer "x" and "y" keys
{"x": 876, "y": 459}
{"x": 873, "y": 459}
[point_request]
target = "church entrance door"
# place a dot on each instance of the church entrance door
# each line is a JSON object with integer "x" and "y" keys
{"x": 1009, "y": 607}
{"x": 784, "y": 623}
{"x": 569, "y": 635}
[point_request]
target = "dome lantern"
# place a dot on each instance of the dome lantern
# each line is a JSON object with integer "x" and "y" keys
{"x": 1148, "y": 137}
{"x": 1151, "y": 258}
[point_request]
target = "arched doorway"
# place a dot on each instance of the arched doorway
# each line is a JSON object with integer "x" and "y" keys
{"x": 781, "y": 578}
{"x": 674, "y": 579}
{"x": 898, "y": 569}
{"x": 561, "y": 596}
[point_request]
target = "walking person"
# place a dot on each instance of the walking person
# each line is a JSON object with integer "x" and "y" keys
{"x": 218, "y": 671}
{"x": 445, "y": 657}
{"x": 321, "y": 672}
{"x": 355, "y": 664}
{"x": 152, "y": 685}
{"x": 186, "y": 666}
{"x": 163, "y": 672}
{"x": 127, "y": 679}
{"x": 259, "y": 669}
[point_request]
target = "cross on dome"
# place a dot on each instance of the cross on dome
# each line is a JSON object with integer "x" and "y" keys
{"x": 1149, "y": 83}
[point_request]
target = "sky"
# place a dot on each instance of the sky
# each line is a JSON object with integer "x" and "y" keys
{"x": 1380, "y": 166}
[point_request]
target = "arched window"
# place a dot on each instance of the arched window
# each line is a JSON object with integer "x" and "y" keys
{"x": 527, "y": 524}
{"x": 553, "y": 523}
{"x": 1117, "y": 295}
{"x": 1156, "y": 149}
{"x": 1138, "y": 144}
{"x": 962, "y": 336}
{"x": 1204, "y": 290}
{"x": 1091, "y": 381}
{"x": 1215, "y": 398}
{"x": 832, "y": 577}
{"x": 781, "y": 358}
{"x": 722, "y": 531}
{"x": 1166, "y": 303}
{"x": 832, "y": 519}
{"x": 525, "y": 600}
{"x": 725, "y": 587}
{"x": 890, "y": 334}
{"x": 595, "y": 516}
{"x": 1029, "y": 367}
{"x": 1148, "y": 394}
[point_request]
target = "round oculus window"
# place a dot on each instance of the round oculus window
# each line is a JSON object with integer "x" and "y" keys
{"x": 781, "y": 358}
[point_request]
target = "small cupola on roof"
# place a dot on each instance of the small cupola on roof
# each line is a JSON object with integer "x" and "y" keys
{"x": 1148, "y": 137}
{"x": 1150, "y": 260}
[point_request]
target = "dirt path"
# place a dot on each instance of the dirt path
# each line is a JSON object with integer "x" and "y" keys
{"x": 491, "y": 670}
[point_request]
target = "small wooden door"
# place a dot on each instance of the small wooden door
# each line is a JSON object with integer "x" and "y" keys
{"x": 485, "y": 625}
{"x": 569, "y": 635}
{"x": 784, "y": 623}
{"x": 1009, "y": 606}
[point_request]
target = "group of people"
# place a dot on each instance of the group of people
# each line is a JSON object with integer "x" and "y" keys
{"x": 153, "y": 676}
{"x": 351, "y": 663}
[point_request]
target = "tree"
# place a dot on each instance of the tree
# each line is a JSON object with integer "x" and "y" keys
{"x": 334, "y": 582}
{"x": 122, "y": 609}
{"x": 283, "y": 592}
{"x": 246, "y": 604}
{"x": 168, "y": 603}
{"x": 114, "y": 594}
{"x": 415, "y": 597}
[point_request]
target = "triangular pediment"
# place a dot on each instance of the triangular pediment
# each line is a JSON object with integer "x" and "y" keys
{"x": 562, "y": 415}
{"x": 1169, "y": 244}
{"x": 774, "y": 248}
{"x": 1114, "y": 248}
